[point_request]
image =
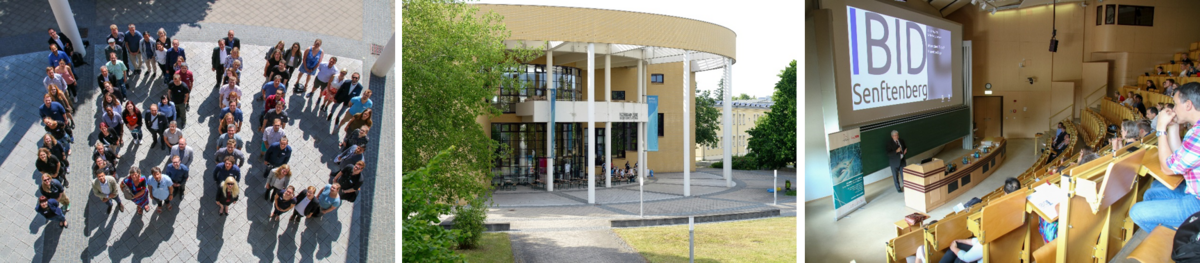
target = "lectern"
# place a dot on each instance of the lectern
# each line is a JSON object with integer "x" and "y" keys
{"x": 928, "y": 185}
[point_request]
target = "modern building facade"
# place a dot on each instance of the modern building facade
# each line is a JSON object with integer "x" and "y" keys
{"x": 598, "y": 71}
{"x": 746, "y": 114}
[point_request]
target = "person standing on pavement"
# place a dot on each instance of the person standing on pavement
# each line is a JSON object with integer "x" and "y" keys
{"x": 358, "y": 105}
{"x": 185, "y": 75}
{"x": 278, "y": 181}
{"x": 294, "y": 56}
{"x": 156, "y": 122}
{"x": 133, "y": 121}
{"x": 344, "y": 94}
{"x": 325, "y": 73}
{"x": 230, "y": 150}
{"x": 312, "y": 58}
{"x": 51, "y": 165}
{"x": 227, "y": 169}
{"x": 227, "y": 195}
{"x": 48, "y": 208}
{"x": 52, "y": 189}
{"x": 272, "y": 135}
{"x": 167, "y": 108}
{"x": 132, "y": 41}
{"x": 160, "y": 189}
{"x": 350, "y": 180}
{"x": 232, "y": 41}
{"x": 183, "y": 152}
{"x": 173, "y": 55}
{"x": 61, "y": 42}
{"x": 171, "y": 136}
{"x": 179, "y": 93}
{"x": 68, "y": 74}
{"x": 358, "y": 137}
{"x": 179, "y": 173}
{"x": 328, "y": 200}
{"x": 119, "y": 71}
{"x": 219, "y": 54}
{"x": 146, "y": 46}
{"x": 134, "y": 188}
{"x": 57, "y": 55}
{"x": 284, "y": 202}
{"x": 278, "y": 154}
{"x": 160, "y": 58}
{"x": 105, "y": 188}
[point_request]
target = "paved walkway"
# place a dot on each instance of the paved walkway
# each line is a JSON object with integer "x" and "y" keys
{"x": 560, "y": 226}
{"x": 192, "y": 231}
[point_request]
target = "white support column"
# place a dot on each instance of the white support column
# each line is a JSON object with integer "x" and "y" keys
{"x": 549, "y": 125}
{"x": 641, "y": 87}
{"x": 726, "y": 120}
{"x": 386, "y": 59}
{"x": 66, "y": 24}
{"x": 608, "y": 125}
{"x": 687, "y": 84}
{"x": 591, "y": 126}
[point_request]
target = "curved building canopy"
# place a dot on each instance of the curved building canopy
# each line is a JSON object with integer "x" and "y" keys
{"x": 627, "y": 36}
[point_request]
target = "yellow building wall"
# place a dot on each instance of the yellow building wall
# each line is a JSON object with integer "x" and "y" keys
{"x": 743, "y": 120}
{"x": 670, "y": 157}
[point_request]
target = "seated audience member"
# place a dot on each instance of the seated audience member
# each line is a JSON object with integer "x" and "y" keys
{"x": 1144, "y": 128}
{"x": 1161, "y": 205}
{"x": 1061, "y": 146}
{"x": 1137, "y": 104}
{"x": 1011, "y": 184}
{"x": 1169, "y": 87}
{"x": 1150, "y": 86}
{"x": 964, "y": 250}
{"x": 1160, "y": 71}
{"x": 1128, "y": 101}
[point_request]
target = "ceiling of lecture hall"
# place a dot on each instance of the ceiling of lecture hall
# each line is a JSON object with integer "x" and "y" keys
{"x": 946, "y": 7}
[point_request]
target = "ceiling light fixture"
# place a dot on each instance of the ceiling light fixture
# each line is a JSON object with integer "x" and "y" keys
{"x": 993, "y": 10}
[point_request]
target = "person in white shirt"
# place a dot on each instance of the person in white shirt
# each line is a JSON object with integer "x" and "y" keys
{"x": 325, "y": 73}
{"x": 226, "y": 90}
{"x": 964, "y": 250}
{"x": 272, "y": 135}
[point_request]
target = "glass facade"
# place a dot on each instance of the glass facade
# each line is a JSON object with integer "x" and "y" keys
{"x": 526, "y": 146}
{"x": 531, "y": 81}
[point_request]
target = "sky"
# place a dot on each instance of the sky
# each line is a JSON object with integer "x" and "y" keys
{"x": 768, "y": 35}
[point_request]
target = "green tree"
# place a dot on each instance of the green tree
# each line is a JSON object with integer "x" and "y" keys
{"x": 706, "y": 115}
{"x": 773, "y": 139}
{"x": 424, "y": 240}
{"x": 454, "y": 60}
{"x": 743, "y": 96}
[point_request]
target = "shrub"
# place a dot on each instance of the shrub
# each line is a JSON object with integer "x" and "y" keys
{"x": 468, "y": 220}
{"x": 717, "y": 165}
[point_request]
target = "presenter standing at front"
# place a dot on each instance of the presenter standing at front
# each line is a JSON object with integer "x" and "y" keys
{"x": 896, "y": 149}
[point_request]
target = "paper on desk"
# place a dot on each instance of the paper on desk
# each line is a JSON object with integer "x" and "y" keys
{"x": 1045, "y": 197}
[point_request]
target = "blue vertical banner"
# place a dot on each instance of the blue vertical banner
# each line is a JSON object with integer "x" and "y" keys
{"x": 550, "y": 130}
{"x": 652, "y": 126}
{"x": 845, "y": 168}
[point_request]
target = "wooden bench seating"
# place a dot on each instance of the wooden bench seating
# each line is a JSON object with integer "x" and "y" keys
{"x": 1156, "y": 247}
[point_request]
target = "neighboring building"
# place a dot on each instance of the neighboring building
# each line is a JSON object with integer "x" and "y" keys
{"x": 746, "y": 113}
{"x": 628, "y": 47}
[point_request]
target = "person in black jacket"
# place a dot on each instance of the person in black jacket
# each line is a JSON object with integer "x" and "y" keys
{"x": 349, "y": 90}
{"x": 156, "y": 122}
{"x": 217, "y": 57}
{"x": 896, "y": 150}
{"x": 232, "y": 41}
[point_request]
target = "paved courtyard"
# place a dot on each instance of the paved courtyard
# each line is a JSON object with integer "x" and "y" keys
{"x": 561, "y": 226}
{"x": 192, "y": 231}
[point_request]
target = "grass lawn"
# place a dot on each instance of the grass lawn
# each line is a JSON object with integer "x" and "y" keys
{"x": 493, "y": 247}
{"x": 759, "y": 240}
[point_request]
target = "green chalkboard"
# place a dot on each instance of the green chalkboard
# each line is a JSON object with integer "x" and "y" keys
{"x": 921, "y": 135}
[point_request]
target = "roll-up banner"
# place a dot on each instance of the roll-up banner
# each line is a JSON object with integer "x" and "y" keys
{"x": 845, "y": 166}
{"x": 652, "y": 127}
